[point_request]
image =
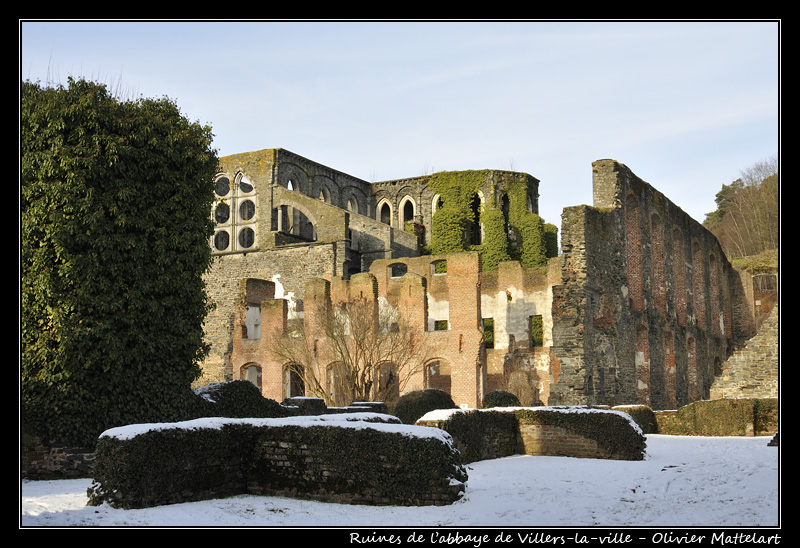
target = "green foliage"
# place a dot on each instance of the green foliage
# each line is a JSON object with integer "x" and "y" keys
{"x": 499, "y": 398}
{"x": 483, "y": 435}
{"x": 509, "y": 231}
{"x": 767, "y": 261}
{"x": 495, "y": 244}
{"x": 724, "y": 417}
{"x": 537, "y": 330}
{"x": 196, "y": 462}
{"x": 413, "y": 405}
{"x": 115, "y": 199}
{"x": 642, "y": 415}
{"x": 611, "y": 431}
{"x": 171, "y": 465}
{"x": 240, "y": 399}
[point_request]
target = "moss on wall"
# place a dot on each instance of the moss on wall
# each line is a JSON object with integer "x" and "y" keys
{"x": 509, "y": 230}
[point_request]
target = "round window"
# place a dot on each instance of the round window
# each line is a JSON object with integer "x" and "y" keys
{"x": 222, "y": 213}
{"x": 223, "y": 186}
{"x": 246, "y": 210}
{"x": 245, "y": 186}
{"x": 221, "y": 241}
{"x": 247, "y": 237}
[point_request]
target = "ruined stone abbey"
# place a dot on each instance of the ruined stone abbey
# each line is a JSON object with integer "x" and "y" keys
{"x": 640, "y": 305}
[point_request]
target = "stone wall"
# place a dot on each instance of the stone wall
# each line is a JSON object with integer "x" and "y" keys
{"x": 457, "y": 351}
{"x": 753, "y": 371}
{"x": 645, "y": 310}
{"x": 642, "y": 307}
{"x": 40, "y": 461}
{"x": 542, "y": 431}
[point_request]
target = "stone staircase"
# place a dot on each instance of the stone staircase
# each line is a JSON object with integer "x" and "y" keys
{"x": 753, "y": 371}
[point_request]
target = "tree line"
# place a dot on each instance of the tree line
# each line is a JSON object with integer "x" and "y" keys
{"x": 747, "y": 218}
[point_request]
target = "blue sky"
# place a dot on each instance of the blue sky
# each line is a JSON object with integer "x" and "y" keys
{"x": 686, "y": 105}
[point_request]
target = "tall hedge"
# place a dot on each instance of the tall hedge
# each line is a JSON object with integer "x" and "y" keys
{"x": 115, "y": 199}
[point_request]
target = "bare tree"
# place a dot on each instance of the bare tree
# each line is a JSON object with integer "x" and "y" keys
{"x": 747, "y": 221}
{"x": 359, "y": 350}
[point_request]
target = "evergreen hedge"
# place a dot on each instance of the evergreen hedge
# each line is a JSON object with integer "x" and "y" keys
{"x": 115, "y": 226}
{"x": 413, "y": 405}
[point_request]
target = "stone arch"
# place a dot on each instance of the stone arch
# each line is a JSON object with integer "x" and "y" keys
{"x": 292, "y": 381}
{"x": 436, "y": 203}
{"x": 293, "y": 177}
{"x": 397, "y": 270}
{"x": 251, "y": 372}
{"x": 439, "y": 266}
{"x": 324, "y": 195}
{"x": 698, "y": 285}
{"x": 325, "y": 189}
{"x": 476, "y": 235}
{"x": 294, "y": 218}
{"x": 352, "y": 204}
{"x": 505, "y": 208}
{"x": 407, "y": 210}
{"x": 438, "y": 374}
{"x": 384, "y": 212}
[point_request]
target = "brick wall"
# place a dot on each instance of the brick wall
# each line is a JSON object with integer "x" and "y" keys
{"x": 648, "y": 306}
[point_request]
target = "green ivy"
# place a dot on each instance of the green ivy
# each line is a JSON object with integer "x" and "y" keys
{"x": 521, "y": 235}
{"x": 114, "y": 224}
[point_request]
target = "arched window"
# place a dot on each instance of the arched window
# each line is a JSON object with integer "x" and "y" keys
{"x": 398, "y": 270}
{"x": 293, "y": 384}
{"x": 476, "y": 234}
{"x": 252, "y": 373}
{"x": 234, "y": 214}
{"x": 407, "y": 210}
{"x": 385, "y": 213}
{"x": 437, "y": 375}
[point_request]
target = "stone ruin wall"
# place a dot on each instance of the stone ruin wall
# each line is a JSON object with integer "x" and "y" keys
{"x": 648, "y": 308}
{"x": 641, "y": 307}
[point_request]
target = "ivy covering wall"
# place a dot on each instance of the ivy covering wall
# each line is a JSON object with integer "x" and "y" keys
{"x": 501, "y": 227}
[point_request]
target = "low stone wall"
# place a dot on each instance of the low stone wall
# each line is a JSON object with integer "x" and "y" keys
{"x": 39, "y": 461}
{"x": 543, "y": 431}
{"x": 347, "y": 458}
{"x": 548, "y": 440}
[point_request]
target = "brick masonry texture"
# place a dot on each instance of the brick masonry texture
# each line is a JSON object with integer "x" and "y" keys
{"x": 641, "y": 307}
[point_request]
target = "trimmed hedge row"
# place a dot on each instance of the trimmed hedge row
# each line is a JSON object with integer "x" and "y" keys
{"x": 369, "y": 459}
{"x": 412, "y": 405}
{"x": 725, "y": 417}
{"x": 567, "y": 431}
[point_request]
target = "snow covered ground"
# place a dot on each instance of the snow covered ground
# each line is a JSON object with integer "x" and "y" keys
{"x": 684, "y": 482}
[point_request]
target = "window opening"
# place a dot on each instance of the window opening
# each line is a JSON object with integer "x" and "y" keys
{"x": 386, "y": 214}
{"x": 398, "y": 270}
{"x": 408, "y": 212}
{"x": 536, "y": 326}
{"x": 476, "y": 236}
{"x": 488, "y": 332}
